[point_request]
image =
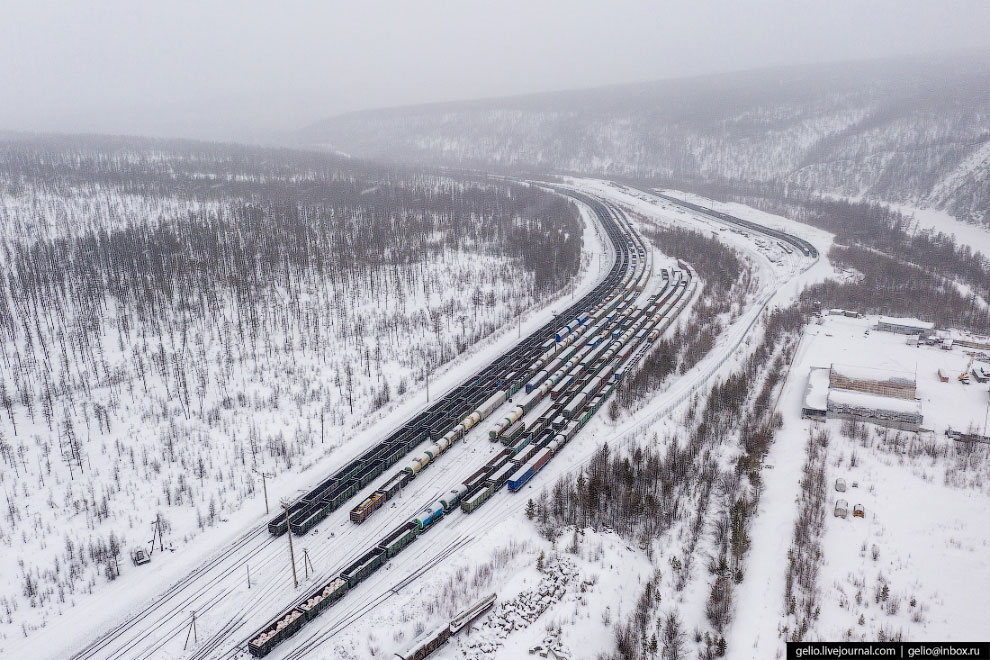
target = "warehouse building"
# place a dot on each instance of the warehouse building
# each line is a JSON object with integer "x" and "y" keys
{"x": 905, "y": 326}
{"x": 875, "y": 396}
{"x": 883, "y": 382}
{"x": 887, "y": 411}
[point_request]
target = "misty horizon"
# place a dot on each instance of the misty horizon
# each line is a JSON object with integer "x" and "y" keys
{"x": 252, "y": 73}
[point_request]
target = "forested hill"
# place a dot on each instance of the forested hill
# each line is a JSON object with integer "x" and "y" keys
{"x": 907, "y": 131}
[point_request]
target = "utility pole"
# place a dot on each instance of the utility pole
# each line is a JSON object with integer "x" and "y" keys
{"x": 156, "y": 530}
{"x": 307, "y": 564}
{"x": 249, "y": 575}
{"x": 427, "y": 383}
{"x": 264, "y": 483}
{"x": 292, "y": 554}
{"x": 191, "y": 630}
{"x": 161, "y": 542}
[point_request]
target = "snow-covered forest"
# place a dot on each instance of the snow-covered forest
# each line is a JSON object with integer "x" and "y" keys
{"x": 177, "y": 318}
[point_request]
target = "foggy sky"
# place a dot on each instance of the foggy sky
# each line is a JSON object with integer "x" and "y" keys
{"x": 248, "y": 69}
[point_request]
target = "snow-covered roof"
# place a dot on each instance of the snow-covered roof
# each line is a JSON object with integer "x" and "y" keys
{"x": 886, "y": 376}
{"x": 816, "y": 395}
{"x": 874, "y": 401}
{"x": 907, "y": 322}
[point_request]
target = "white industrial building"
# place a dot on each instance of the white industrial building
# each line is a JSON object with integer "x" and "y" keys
{"x": 886, "y": 398}
{"x": 905, "y": 326}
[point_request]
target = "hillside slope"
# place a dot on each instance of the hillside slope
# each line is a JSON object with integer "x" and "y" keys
{"x": 906, "y": 131}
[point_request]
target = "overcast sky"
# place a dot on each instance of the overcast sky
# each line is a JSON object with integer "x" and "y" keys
{"x": 246, "y": 68}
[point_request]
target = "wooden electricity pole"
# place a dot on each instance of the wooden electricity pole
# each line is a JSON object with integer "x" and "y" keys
{"x": 264, "y": 486}
{"x": 191, "y": 630}
{"x": 292, "y": 554}
{"x": 307, "y": 564}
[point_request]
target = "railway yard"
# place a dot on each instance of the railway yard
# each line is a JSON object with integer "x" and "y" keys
{"x": 433, "y": 486}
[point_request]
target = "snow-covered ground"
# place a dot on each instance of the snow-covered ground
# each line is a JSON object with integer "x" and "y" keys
{"x": 922, "y": 501}
{"x": 418, "y": 578}
{"x": 971, "y": 234}
{"x": 73, "y": 614}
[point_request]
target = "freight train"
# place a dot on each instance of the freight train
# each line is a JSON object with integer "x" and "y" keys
{"x": 806, "y": 248}
{"x": 437, "y": 424}
{"x": 594, "y": 373}
{"x": 560, "y": 355}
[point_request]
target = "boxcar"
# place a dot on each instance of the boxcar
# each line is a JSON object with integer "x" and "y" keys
{"x": 469, "y": 504}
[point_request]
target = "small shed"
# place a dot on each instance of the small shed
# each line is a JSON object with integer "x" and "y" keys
{"x": 140, "y": 556}
{"x": 841, "y": 509}
{"x": 859, "y": 511}
{"x": 840, "y": 485}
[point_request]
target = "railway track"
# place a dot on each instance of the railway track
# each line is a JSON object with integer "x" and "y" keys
{"x": 806, "y": 248}
{"x": 167, "y": 616}
{"x": 633, "y": 324}
{"x": 207, "y": 589}
{"x": 340, "y": 486}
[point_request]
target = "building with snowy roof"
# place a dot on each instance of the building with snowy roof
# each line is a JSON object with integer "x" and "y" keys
{"x": 816, "y": 394}
{"x": 893, "y": 412}
{"x": 876, "y": 396}
{"x": 883, "y": 382}
{"x": 905, "y": 326}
